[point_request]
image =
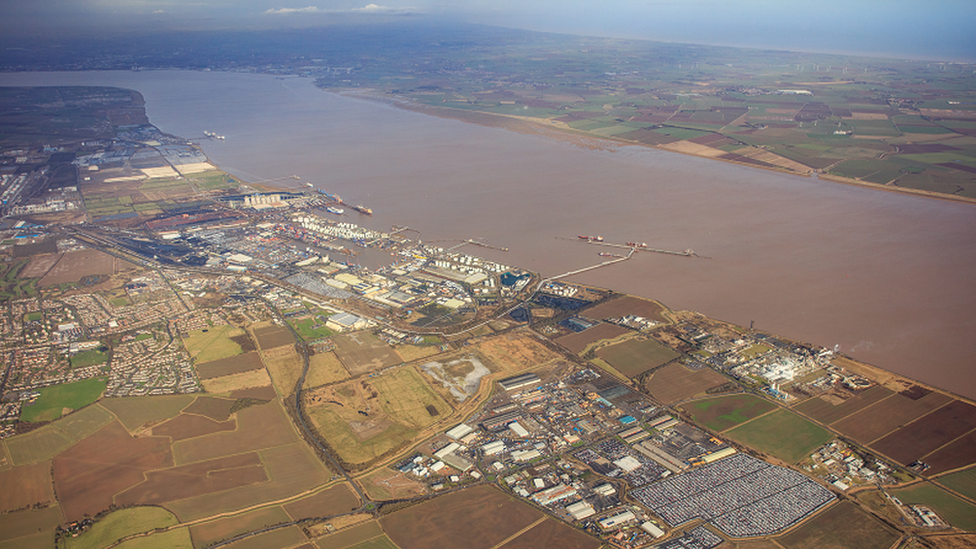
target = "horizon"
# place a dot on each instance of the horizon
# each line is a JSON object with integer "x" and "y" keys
{"x": 905, "y": 29}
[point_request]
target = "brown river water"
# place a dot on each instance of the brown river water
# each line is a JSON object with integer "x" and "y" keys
{"x": 890, "y": 278}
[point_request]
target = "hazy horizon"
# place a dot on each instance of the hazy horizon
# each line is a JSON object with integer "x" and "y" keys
{"x": 895, "y": 29}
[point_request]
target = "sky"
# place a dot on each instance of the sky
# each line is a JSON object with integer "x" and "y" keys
{"x": 940, "y": 30}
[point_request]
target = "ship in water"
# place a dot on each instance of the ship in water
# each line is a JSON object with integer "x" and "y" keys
{"x": 362, "y": 209}
{"x": 212, "y": 135}
{"x": 309, "y": 185}
{"x": 333, "y": 209}
{"x": 591, "y": 238}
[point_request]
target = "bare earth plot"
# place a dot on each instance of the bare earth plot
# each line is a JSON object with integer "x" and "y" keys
{"x": 577, "y": 343}
{"x": 483, "y": 516}
{"x": 674, "y": 382}
{"x": 843, "y": 526}
{"x": 73, "y": 266}
{"x": 362, "y": 352}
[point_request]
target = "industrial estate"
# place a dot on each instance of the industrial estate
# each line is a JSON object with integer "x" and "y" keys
{"x": 191, "y": 360}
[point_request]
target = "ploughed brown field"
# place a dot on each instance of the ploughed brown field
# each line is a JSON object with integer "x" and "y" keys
{"x": 335, "y": 500}
{"x": 217, "y": 409}
{"x": 230, "y": 365}
{"x": 258, "y": 393}
{"x": 196, "y": 479}
{"x": 577, "y": 342}
{"x": 891, "y": 413}
{"x": 552, "y": 533}
{"x": 362, "y": 352}
{"x": 959, "y": 453}
{"x": 270, "y": 337}
{"x": 88, "y": 474}
{"x": 627, "y": 305}
{"x": 186, "y": 426}
{"x": 674, "y": 382}
{"x": 928, "y": 433}
{"x": 263, "y": 426}
{"x": 825, "y": 412}
{"x": 76, "y": 265}
{"x": 25, "y": 486}
{"x": 483, "y": 516}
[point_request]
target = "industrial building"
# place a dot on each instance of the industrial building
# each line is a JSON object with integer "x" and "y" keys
{"x": 518, "y": 382}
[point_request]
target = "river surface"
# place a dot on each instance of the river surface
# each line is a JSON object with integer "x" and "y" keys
{"x": 889, "y": 278}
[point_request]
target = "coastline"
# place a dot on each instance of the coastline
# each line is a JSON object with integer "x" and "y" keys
{"x": 534, "y": 126}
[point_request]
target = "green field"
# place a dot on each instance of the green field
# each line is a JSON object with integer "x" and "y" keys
{"x": 311, "y": 328}
{"x": 633, "y": 357}
{"x": 214, "y": 343}
{"x": 381, "y": 542}
{"x": 781, "y": 434}
{"x": 90, "y": 357}
{"x": 86, "y": 421}
{"x": 719, "y": 414}
{"x": 963, "y": 482}
{"x": 402, "y": 398}
{"x": 122, "y": 523}
{"x": 53, "y": 400}
{"x": 38, "y": 445}
{"x": 957, "y": 511}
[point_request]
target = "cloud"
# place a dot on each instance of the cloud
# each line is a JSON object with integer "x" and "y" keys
{"x": 368, "y": 8}
{"x": 279, "y": 11}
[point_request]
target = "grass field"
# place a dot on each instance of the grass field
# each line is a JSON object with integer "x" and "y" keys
{"x": 719, "y": 414}
{"x": 285, "y": 367}
{"x": 781, "y": 434}
{"x": 86, "y": 421}
{"x": 963, "y": 482}
{"x": 958, "y": 512}
{"x": 134, "y": 412}
{"x": 213, "y": 343}
{"x": 311, "y": 328}
{"x": 39, "y": 445}
{"x": 30, "y": 528}
{"x": 226, "y": 384}
{"x": 409, "y": 353}
{"x": 843, "y": 526}
{"x": 350, "y": 537}
{"x": 53, "y": 400}
{"x": 282, "y": 538}
{"x": 634, "y": 357}
{"x": 399, "y": 405}
{"x": 122, "y": 523}
{"x": 90, "y": 357}
{"x": 324, "y": 368}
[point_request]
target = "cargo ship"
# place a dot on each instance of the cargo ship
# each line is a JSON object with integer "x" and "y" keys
{"x": 362, "y": 209}
{"x": 333, "y": 209}
{"x": 590, "y": 238}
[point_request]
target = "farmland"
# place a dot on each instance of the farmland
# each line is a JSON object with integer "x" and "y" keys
{"x": 875, "y": 421}
{"x": 781, "y": 434}
{"x": 963, "y": 482}
{"x": 207, "y": 344}
{"x": 362, "y": 352}
{"x": 634, "y": 357}
{"x": 363, "y": 420}
{"x": 579, "y": 341}
{"x": 719, "y": 414}
{"x": 674, "y": 382}
{"x": 70, "y": 396}
{"x": 842, "y": 526}
{"x": 122, "y": 523}
{"x": 958, "y": 512}
{"x": 826, "y": 412}
{"x": 230, "y": 365}
{"x": 917, "y": 439}
{"x": 482, "y": 515}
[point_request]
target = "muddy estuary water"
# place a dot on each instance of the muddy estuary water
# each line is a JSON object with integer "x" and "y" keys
{"x": 889, "y": 278}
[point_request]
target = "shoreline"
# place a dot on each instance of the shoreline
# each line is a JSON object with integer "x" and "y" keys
{"x": 535, "y": 126}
